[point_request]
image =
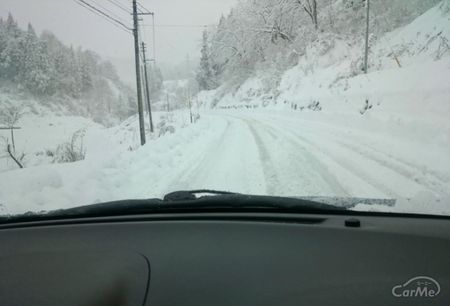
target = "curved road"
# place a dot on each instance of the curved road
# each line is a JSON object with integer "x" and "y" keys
{"x": 266, "y": 154}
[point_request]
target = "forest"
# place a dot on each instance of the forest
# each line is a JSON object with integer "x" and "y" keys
{"x": 78, "y": 80}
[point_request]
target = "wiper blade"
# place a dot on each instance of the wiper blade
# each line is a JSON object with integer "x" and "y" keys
{"x": 193, "y": 194}
{"x": 242, "y": 202}
{"x": 184, "y": 202}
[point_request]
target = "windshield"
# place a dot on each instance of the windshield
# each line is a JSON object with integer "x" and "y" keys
{"x": 343, "y": 102}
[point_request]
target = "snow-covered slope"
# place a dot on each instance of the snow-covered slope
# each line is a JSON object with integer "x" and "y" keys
{"x": 407, "y": 86}
{"x": 410, "y": 63}
{"x": 116, "y": 167}
{"x": 426, "y": 38}
{"x": 39, "y": 137}
{"x": 43, "y": 130}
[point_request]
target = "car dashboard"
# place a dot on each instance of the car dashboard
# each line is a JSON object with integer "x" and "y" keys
{"x": 226, "y": 258}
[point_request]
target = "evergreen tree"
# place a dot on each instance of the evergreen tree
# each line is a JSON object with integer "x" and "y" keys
{"x": 79, "y": 79}
{"x": 12, "y": 52}
{"x": 35, "y": 68}
{"x": 3, "y": 38}
{"x": 205, "y": 74}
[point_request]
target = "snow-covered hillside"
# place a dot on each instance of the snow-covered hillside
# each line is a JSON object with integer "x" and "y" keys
{"x": 40, "y": 135}
{"x": 407, "y": 64}
{"x": 406, "y": 90}
{"x": 39, "y": 72}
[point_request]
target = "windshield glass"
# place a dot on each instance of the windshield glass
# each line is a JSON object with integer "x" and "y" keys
{"x": 344, "y": 102}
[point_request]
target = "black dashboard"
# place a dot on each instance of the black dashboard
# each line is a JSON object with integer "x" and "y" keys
{"x": 194, "y": 259}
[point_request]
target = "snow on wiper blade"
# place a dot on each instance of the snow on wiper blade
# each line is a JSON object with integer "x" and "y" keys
{"x": 219, "y": 200}
{"x": 350, "y": 202}
{"x": 193, "y": 194}
{"x": 95, "y": 210}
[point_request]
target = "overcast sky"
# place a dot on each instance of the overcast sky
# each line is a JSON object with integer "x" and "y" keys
{"x": 76, "y": 25}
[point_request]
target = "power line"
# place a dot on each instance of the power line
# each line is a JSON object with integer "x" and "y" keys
{"x": 144, "y": 11}
{"x": 179, "y": 25}
{"x": 144, "y": 8}
{"x": 104, "y": 14}
{"x": 109, "y": 11}
{"x": 136, "y": 33}
{"x": 119, "y": 5}
{"x": 81, "y": 3}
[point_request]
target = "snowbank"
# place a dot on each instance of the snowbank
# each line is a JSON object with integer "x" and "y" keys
{"x": 116, "y": 167}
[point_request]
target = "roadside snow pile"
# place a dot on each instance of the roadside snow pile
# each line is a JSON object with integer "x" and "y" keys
{"x": 126, "y": 137}
{"x": 40, "y": 136}
{"x": 254, "y": 93}
{"x": 50, "y": 138}
{"x": 109, "y": 172}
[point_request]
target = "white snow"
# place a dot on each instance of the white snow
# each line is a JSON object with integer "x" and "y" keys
{"x": 259, "y": 152}
{"x": 284, "y": 144}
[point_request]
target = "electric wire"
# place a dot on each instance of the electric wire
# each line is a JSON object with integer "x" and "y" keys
{"x": 94, "y": 8}
{"x": 104, "y": 16}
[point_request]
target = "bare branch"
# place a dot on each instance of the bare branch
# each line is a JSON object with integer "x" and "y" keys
{"x": 8, "y": 148}
{"x": 310, "y": 8}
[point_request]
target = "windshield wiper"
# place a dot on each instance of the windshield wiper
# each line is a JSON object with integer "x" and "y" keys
{"x": 183, "y": 202}
{"x": 193, "y": 194}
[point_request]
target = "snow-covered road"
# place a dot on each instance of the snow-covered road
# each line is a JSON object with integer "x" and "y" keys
{"x": 256, "y": 152}
{"x": 279, "y": 155}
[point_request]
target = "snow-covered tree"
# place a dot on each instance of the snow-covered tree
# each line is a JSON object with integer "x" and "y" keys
{"x": 45, "y": 67}
{"x": 11, "y": 51}
{"x": 34, "y": 72}
{"x": 273, "y": 34}
{"x": 205, "y": 75}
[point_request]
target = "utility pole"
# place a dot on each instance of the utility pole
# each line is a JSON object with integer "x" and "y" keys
{"x": 147, "y": 91}
{"x": 189, "y": 89}
{"x": 138, "y": 73}
{"x": 168, "y": 105}
{"x": 146, "y": 95}
{"x": 366, "y": 51}
{"x": 198, "y": 107}
{"x": 190, "y": 106}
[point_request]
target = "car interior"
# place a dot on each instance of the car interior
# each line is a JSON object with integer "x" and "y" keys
{"x": 217, "y": 255}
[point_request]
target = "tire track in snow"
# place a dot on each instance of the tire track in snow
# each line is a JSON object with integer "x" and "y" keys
{"x": 229, "y": 162}
{"x": 343, "y": 162}
{"x": 408, "y": 172}
{"x": 301, "y": 172}
{"x": 187, "y": 176}
{"x": 272, "y": 180}
{"x": 395, "y": 162}
{"x": 412, "y": 173}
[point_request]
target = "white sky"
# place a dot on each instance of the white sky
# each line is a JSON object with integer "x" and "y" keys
{"x": 76, "y": 25}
